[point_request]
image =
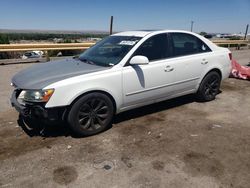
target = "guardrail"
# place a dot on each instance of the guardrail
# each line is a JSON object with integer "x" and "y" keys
{"x": 229, "y": 43}
{"x": 44, "y": 47}
{"x": 83, "y": 46}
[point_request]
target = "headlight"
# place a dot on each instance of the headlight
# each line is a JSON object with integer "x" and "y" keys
{"x": 36, "y": 95}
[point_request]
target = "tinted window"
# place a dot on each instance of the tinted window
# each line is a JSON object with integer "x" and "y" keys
{"x": 154, "y": 48}
{"x": 186, "y": 44}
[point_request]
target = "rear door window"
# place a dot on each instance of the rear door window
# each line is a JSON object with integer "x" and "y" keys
{"x": 186, "y": 44}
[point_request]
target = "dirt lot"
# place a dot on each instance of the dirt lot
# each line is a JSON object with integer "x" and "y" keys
{"x": 177, "y": 143}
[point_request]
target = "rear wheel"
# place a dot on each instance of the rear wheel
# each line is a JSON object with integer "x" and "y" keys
{"x": 209, "y": 87}
{"x": 91, "y": 114}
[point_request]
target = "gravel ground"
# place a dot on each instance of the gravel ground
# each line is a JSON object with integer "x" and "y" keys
{"x": 176, "y": 143}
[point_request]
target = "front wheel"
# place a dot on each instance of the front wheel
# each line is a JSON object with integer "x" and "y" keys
{"x": 209, "y": 87}
{"x": 91, "y": 114}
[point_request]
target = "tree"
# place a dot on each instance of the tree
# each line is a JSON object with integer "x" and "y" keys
{"x": 4, "y": 39}
{"x": 203, "y": 33}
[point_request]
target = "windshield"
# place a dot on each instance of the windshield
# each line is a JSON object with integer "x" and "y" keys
{"x": 109, "y": 51}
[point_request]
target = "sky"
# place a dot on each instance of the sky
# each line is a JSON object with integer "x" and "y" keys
{"x": 228, "y": 16}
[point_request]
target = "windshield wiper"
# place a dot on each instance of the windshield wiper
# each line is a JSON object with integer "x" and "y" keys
{"x": 88, "y": 61}
{"x": 93, "y": 63}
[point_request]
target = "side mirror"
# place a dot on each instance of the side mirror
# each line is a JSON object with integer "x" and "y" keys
{"x": 139, "y": 60}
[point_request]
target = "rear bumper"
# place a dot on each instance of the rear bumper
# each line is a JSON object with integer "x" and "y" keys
{"x": 226, "y": 70}
{"x": 37, "y": 110}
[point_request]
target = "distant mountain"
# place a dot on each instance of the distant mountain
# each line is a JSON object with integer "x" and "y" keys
{"x": 51, "y": 31}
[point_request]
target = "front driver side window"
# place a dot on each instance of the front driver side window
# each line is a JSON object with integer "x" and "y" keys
{"x": 154, "y": 48}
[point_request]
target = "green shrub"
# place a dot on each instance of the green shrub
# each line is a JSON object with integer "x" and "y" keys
{"x": 4, "y": 39}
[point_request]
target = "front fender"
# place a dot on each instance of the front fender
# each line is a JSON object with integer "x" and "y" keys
{"x": 66, "y": 91}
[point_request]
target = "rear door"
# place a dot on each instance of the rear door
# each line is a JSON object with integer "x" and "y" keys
{"x": 190, "y": 57}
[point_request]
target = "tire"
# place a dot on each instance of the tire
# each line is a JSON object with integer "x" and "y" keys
{"x": 209, "y": 87}
{"x": 91, "y": 114}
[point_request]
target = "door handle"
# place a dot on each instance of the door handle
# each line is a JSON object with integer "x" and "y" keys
{"x": 204, "y": 62}
{"x": 168, "y": 69}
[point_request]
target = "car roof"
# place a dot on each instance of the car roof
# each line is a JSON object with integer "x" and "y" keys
{"x": 133, "y": 33}
{"x": 143, "y": 33}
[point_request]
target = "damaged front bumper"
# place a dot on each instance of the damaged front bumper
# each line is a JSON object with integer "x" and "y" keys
{"x": 36, "y": 110}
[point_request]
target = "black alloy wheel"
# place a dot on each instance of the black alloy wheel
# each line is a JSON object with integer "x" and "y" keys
{"x": 91, "y": 114}
{"x": 209, "y": 87}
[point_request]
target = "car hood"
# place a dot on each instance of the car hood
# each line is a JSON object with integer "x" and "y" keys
{"x": 41, "y": 75}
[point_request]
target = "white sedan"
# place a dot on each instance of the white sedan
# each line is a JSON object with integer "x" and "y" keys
{"x": 33, "y": 54}
{"x": 123, "y": 71}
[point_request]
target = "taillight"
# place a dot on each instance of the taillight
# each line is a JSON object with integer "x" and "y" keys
{"x": 230, "y": 56}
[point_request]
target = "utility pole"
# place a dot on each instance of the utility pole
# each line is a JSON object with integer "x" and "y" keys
{"x": 192, "y": 23}
{"x": 246, "y": 32}
{"x": 111, "y": 25}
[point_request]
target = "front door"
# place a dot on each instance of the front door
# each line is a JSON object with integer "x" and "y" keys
{"x": 144, "y": 83}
